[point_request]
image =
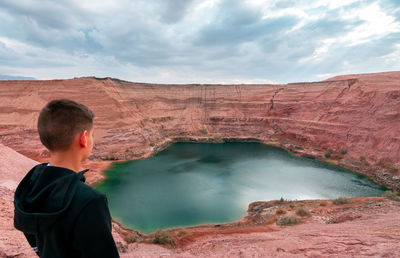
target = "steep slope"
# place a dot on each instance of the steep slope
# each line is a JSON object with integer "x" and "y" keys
{"x": 13, "y": 168}
{"x": 352, "y": 120}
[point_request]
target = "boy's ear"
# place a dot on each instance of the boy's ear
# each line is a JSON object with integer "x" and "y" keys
{"x": 83, "y": 139}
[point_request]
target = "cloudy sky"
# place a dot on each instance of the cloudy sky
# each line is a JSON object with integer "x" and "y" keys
{"x": 198, "y": 41}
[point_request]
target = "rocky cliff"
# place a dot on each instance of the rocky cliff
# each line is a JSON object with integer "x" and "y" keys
{"x": 353, "y": 120}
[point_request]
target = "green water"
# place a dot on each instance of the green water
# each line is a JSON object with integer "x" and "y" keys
{"x": 191, "y": 183}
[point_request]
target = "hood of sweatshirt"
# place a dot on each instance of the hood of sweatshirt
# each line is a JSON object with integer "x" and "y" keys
{"x": 43, "y": 196}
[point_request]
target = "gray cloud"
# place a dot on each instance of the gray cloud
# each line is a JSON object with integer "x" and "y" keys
{"x": 174, "y": 11}
{"x": 225, "y": 33}
{"x": 226, "y": 39}
{"x": 47, "y": 14}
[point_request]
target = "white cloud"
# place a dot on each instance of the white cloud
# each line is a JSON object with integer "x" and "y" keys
{"x": 338, "y": 3}
{"x": 391, "y": 58}
{"x": 324, "y": 75}
{"x": 376, "y": 23}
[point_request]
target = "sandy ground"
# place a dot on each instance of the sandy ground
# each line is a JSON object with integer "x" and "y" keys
{"x": 375, "y": 231}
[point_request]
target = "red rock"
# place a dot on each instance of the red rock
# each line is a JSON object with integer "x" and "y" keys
{"x": 356, "y": 113}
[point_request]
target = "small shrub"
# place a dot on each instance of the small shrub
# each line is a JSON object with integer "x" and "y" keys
{"x": 182, "y": 233}
{"x": 362, "y": 158}
{"x": 281, "y": 200}
{"x": 288, "y": 221}
{"x": 323, "y": 203}
{"x": 121, "y": 248}
{"x": 162, "y": 237}
{"x": 392, "y": 195}
{"x": 132, "y": 238}
{"x": 204, "y": 131}
{"x": 302, "y": 211}
{"x": 292, "y": 206}
{"x": 152, "y": 144}
{"x": 341, "y": 200}
{"x": 343, "y": 151}
{"x": 280, "y": 211}
{"x": 328, "y": 154}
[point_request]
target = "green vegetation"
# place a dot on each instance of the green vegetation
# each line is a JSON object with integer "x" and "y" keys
{"x": 364, "y": 161}
{"x": 162, "y": 237}
{"x": 343, "y": 151}
{"x": 302, "y": 211}
{"x": 341, "y": 200}
{"x": 288, "y": 221}
{"x": 182, "y": 233}
{"x": 328, "y": 154}
{"x": 392, "y": 195}
{"x": 204, "y": 131}
{"x": 282, "y": 200}
{"x": 132, "y": 238}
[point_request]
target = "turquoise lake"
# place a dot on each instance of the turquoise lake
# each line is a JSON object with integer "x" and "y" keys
{"x": 196, "y": 183}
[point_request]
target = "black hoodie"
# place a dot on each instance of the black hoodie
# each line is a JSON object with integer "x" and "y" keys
{"x": 61, "y": 216}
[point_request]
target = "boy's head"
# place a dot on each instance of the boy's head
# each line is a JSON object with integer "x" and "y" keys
{"x": 60, "y": 121}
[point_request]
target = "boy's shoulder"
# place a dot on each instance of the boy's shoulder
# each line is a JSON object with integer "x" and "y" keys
{"x": 86, "y": 193}
{"x": 82, "y": 193}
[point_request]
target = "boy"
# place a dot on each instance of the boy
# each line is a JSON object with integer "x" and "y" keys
{"x": 59, "y": 215}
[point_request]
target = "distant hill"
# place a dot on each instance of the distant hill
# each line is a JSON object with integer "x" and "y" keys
{"x": 4, "y": 77}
